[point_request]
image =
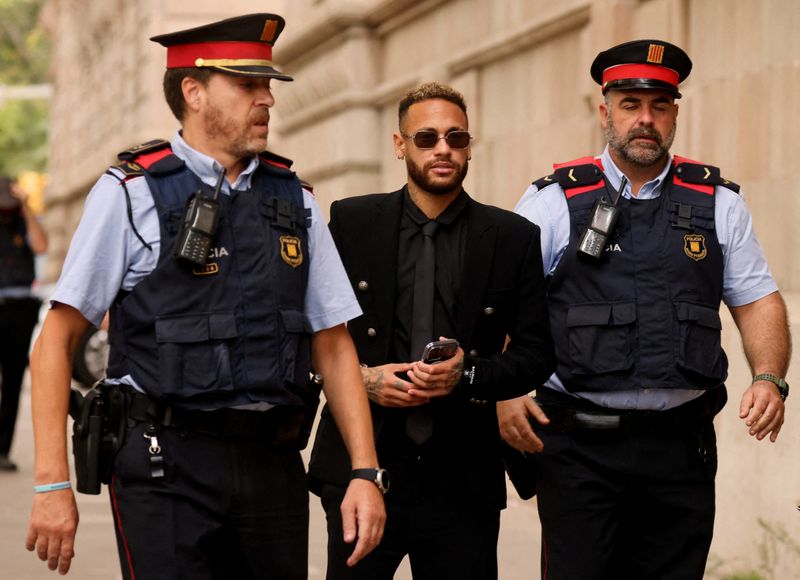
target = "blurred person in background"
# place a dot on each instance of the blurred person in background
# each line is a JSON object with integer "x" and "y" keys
{"x": 21, "y": 238}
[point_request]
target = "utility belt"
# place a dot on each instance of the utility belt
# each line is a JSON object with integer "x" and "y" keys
{"x": 568, "y": 414}
{"x": 103, "y": 416}
{"x": 278, "y": 426}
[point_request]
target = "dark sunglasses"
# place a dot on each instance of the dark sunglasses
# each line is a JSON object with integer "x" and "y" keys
{"x": 428, "y": 139}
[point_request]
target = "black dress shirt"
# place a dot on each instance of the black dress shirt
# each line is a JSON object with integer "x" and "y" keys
{"x": 451, "y": 242}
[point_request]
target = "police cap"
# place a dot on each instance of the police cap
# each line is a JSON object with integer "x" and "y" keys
{"x": 240, "y": 46}
{"x": 642, "y": 64}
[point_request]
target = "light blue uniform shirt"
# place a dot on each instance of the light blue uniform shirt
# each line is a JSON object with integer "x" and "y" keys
{"x": 746, "y": 276}
{"x": 105, "y": 255}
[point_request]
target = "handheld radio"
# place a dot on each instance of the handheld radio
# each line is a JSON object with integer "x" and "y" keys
{"x": 199, "y": 225}
{"x": 601, "y": 224}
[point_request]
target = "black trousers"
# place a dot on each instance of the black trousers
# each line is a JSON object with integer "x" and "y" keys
{"x": 224, "y": 508}
{"x": 18, "y": 317}
{"x": 444, "y": 534}
{"x": 633, "y": 505}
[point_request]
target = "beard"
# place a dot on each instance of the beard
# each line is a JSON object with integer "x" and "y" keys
{"x": 433, "y": 185}
{"x": 234, "y": 135}
{"x": 641, "y": 155}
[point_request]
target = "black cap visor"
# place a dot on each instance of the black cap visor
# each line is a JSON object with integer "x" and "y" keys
{"x": 632, "y": 84}
{"x": 252, "y": 71}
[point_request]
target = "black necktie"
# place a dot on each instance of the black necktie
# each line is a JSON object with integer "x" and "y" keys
{"x": 419, "y": 424}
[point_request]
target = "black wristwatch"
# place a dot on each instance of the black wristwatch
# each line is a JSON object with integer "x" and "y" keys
{"x": 378, "y": 476}
{"x": 783, "y": 386}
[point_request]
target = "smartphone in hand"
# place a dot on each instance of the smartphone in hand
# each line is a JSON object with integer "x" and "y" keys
{"x": 439, "y": 350}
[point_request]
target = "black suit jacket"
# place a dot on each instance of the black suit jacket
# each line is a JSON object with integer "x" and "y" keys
{"x": 502, "y": 294}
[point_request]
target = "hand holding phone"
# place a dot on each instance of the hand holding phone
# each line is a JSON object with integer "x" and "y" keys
{"x": 439, "y": 350}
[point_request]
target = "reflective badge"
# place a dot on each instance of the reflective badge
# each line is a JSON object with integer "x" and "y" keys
{"x": 694, "y": 246}
{"x": 291, "y": 252}
{"x": 211, "y": 268}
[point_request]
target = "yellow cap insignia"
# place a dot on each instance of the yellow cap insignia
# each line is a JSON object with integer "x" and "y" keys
{"x": 694, "y": 246}
{"x": 655, "y": 53}
{"x": 291, "y": 251}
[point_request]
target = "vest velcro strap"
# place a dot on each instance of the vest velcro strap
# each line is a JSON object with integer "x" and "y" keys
{"x": 286, "y": 215}
{"x": 684, "y": 217}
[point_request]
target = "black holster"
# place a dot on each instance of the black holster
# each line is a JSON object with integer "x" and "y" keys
{"x": 97, "y": 434}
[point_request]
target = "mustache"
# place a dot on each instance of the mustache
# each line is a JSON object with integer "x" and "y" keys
{"x": 647, "y": 133}
{"x": 260, "y": 116}
{"x": 440, "y": 163}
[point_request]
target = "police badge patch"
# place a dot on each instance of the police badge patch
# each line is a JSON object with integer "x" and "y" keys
{"x": 291, "y": 252}
{"x": 694, "y": 246}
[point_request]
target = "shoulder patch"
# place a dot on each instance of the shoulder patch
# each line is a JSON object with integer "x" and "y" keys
{"x": 143, "y": 149}
{"x": 701, "y": 174}
{"x": 129, "y": 169}
{"x": 578, "y": 175}
{"x": 543, "y": 182}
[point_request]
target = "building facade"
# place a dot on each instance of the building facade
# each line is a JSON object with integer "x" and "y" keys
{"x": 523, "y": 68}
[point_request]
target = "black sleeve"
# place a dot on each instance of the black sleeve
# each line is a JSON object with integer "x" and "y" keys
{"x": 529, "y": 357}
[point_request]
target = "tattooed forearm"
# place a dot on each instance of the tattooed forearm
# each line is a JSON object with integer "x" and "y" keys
{"x": 455, "y": 374}
{"x": 372, "y": 381}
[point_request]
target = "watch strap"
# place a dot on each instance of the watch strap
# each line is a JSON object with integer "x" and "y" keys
{"x": 783, "y": 386}
{"x": 375, "y": 475}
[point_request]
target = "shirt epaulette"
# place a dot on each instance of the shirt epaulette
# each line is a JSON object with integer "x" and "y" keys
{"x": 582, "y": 175}
{"x": 143, "y": 149}
{"x": 543, "y": 182}
{"x": 129, "y": 169}
{"x": 155, "y": 157}
{"x": 701, "y": 174}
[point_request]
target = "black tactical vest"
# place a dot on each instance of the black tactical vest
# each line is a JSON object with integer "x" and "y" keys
{"x": 646, "y": 314}
{"x": 231, "y": 332}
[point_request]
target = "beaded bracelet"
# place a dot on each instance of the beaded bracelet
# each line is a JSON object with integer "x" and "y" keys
{"x": 52, "y": 486}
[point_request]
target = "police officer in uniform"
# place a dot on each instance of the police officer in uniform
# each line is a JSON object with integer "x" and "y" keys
{"x": 214, "y": 354}
{"x": 627, "y": 451}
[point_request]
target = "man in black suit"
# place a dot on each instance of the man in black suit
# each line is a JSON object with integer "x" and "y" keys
{"x": 435, "y": 424}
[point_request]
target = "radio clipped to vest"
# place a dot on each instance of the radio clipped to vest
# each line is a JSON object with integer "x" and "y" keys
{"x": 601, "y": 224}
{"x": 199, "y": 225}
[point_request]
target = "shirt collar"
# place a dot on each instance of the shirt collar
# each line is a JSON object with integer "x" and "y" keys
{"x": 447, "y": 217}
{"x": 208, "y": 169}
{"x": 650, "y": 190}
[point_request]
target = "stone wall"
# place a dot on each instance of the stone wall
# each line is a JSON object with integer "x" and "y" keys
{"x": 523, "y": 66}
